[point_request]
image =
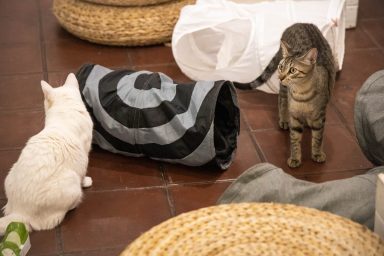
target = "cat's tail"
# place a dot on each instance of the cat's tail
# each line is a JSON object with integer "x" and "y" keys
{"x": 13, "y": 217}
{"x": 265, "y": 76}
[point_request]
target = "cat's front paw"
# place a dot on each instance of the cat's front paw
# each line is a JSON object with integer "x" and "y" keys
{"x": 87, "y": 182}
{"x": 283, "y": 125}
{"x": 293, "y": 163}
{"x": 319, "y": 158}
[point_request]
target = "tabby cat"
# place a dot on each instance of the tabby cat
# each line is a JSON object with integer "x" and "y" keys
{"x": 307, "y": 71}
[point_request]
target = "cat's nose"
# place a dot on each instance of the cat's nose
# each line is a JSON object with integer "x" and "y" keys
{"x": 281, "y": 77}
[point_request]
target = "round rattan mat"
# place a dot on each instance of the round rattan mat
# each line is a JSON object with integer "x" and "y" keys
{"x": 124, "y": 26}
{"x": 257, "y": 229}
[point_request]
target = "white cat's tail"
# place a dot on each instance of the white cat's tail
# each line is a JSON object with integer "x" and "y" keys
{"x": 4, "y": 221}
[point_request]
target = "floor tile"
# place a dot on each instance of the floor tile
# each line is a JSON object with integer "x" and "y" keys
{"x": 261, "y": 117}
{"x": 18, "y": 8}
{"x": 342, "y": 150}
{"x": 52, "y": 31}
{"x": 325, "y": 176}
{"x": 7, "y": 159}
{"x": 43, "y": 242}
{"x": 21, "y": 91}
{"x": 258, "y": 109}
{"x": 45, "y": 6}
{"x": 113, "y": 171}
{"x": 358, "y": 65}
{"x": 192, "y": 197}
{"x": 19, "y": 29}
{"x": 171, "y": 70}
{"x": 250, "y": 99}
{"x": 20, "y": 58}
{"x": 243, "y": 123}
{"x": 370, "y": 9}
{"x": 70, "y": 55}
{"x": 357, "y": 38}
{"x": 246, "y": 156}
{"x": 351, "y": 127}
{"x": 102, "y": 252}
{"x": 151, "y": 55}
{"x": 375, "y": 28}
{"x": 177, "y": 173}
{"x": 18, "y": 127}
{"x": 113, "y": 219}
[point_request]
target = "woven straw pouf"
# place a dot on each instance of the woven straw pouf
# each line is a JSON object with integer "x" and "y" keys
{"x": 116, "y": 25}
{"x": 257, "y": 229}
{"x": 128, "y": 2}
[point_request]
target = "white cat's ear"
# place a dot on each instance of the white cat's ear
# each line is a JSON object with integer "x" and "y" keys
{"x": 71, "y": 81}
{"x": 310, "y": 57}
{"x": 284, "y": 49}
{"x": 47, "y": 89}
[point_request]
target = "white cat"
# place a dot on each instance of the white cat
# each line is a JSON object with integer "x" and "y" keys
{"x": 47, "y": 179}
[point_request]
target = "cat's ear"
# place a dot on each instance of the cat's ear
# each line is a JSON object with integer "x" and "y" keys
{"x": 47, "y": 89}
{"x": 71, "y": 81}
{"x": 310, "y": 57}
{"x": 284, "y": 49}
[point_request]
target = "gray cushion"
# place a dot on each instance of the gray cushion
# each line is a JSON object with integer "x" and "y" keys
{"x": 353, "y": 198}
{"x": 369, "y": 118}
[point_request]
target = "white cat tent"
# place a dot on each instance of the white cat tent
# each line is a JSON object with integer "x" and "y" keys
{"x": 235, "y": 40}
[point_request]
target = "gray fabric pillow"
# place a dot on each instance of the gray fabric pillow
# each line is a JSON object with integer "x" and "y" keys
{"x": 369, "y": 118}
{"x": 353, "y": 198}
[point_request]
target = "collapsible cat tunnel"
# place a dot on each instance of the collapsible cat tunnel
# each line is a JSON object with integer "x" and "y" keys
{"x": 142, "y": 113}
{"x": 235, "y": 40}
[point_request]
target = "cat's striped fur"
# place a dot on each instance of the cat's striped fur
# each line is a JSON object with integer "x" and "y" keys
{"x": 307, "y": 73}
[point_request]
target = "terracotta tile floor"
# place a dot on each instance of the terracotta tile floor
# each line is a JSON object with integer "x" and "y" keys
{"x": 131, "y": 195}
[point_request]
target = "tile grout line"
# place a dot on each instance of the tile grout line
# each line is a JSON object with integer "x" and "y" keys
{"x": 193, "y": 183}
{"x": 17, "y": 148}
{"x": 124, "y": 189}
{"x": 279, "y": 129}
{"x": 259, "y": 151}
{"x": 86, "y": 252}
{"x": 371, "y": 37}
{"x": 363, "y": 49}
{"x": 370, "y": 19}
{"x": 168, "y": 185}
{"x": 313, "y": 174}
{"x": 21, "y": 109}
{"x": 342, "y": 118}
{"x": 20, "y": 74}
{"x": 170, "y": 199}
{"x": 59, "y": 240}
{"x": 129, "y": 57}
{"x": 154, "y": 65}
{"x": 42, "y": 44}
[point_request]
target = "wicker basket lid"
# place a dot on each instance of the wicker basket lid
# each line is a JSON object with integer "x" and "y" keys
{"x": 124, "y": 26}
{"x": 257, "y": 229}
{"x": 128, "y": 2}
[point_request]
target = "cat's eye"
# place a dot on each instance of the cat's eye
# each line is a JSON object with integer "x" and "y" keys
{"x": 280, "y": 67}
{"x": 292, "y": 70}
